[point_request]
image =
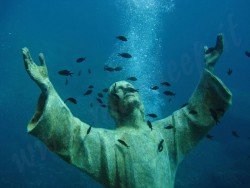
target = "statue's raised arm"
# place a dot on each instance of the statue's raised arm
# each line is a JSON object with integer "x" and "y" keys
{"x": 76, "y": 142}
{"x": 206, "y": 106}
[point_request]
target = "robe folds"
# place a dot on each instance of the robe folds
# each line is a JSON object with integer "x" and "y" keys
{"x": 139, "y": 164}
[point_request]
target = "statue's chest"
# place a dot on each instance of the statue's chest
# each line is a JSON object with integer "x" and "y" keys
{"x": 140, "y": 156}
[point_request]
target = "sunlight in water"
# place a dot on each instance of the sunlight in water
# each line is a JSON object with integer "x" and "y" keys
{"x": 142, "y": 23}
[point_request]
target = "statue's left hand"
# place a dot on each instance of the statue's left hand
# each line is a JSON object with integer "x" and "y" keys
{"x": 211, "y": 55}
{"x": 37, "y": 73}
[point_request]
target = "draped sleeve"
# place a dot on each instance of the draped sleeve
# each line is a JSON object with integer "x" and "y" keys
{"x": 208, "y": 103}
{"x": 66, "y": 135}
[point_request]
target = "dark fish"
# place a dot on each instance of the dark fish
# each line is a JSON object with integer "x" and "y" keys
{"x": 89, "y": 71}
{"x": 74, "y": 101}
{"x": 209, "y": 50}
{"x": 104, "y": 105}
{"x": 154, "y": 87}
{"x": 122, "y": 38}
{"x": 247, "y": 53}
{"x": 210, "y": 137}
{"x": 79, "y": 73}
{"x": 169, "y": 93}
{"x": 169, "y": 126}
{"x": 149, "y": 125}
{"x": 66, "y": 81}
{"x": 91, "y": 87}
{"x": 125, "y": 55}
{"x": 229, "y": 72}
{"x": 235, "y": 134}
{"x": 118, "y": 68}
{"x": 65, "y": 73}
{"x": 165, "y": 84}
{"x": 152, "y": 115}
{"x": 80, "y": 59}
{"x": 169, "y": 100}
{"x": 105, "y": 90}
{"x": 114, "y": 89}
{"x": 88, "y": 92}
{"x": 131, "y": 90}
{"x": 132, "y": 78}
{"x": 122, "y": 142}
{"x": 185, "y": 104}
{"x": 89, "y": 129}
{"x": 110, "y": 69}
{"x": 91, "y": 105}
{"x": 160, "y": 145}
{"x": 214, "y": 115}
{"x": 99, "y": 100}
{"x": 193, "y": 112}
{"x": 100, "y": 95}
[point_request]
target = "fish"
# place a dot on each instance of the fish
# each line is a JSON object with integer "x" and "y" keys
{"x": 149, "y": 125}
{"x": 80, "y": 59}
{"x": 122, "y": 142}
{"x": 114, "y": 89}
{"x": 66, "y": 81}
{"x": 229, "y": 72}
{"x": 169, "y": 100}
{"x": 125, "y": 55}
{"x": 88, "y": 92}
{"x": 160, "y": 145}
{"x": 105, "y": 90}
{"x": 104, "y": 105}
{"x": 91, "y": 105}
{"x": 122, "y": 38}
{"x": 79, "y": 73}
{"x": 72, "y": 100}
{"x": 210, "y": 137}
{"x": 131, "y": 90}
{"x": 89, "y": 71}
{"x": 152, "y": 115}
{"x": 247, "y": 53}
{"x": 214, "y": 115}
{"x": 169, "y": 93}
{"x": 154, "y": 87}
{"x": 165, "y": 84}
{"x": 185, "y": 104}
{"x": 118, "y": 68}
{"x": 169, "y": 126}
{"x": 89, "y": 129}
{"x": 100, "y": 95}
{"x": 193, "y": 112}
{"x": 65, "y": 73}
{"x": 132, "y": 78}
{"x": 209, "y": 50}
{"x": 91, "y": 87}
{"x": 235, "y": 134}
{"x": 110, "y": 69}
{"x": 99, "y": 100}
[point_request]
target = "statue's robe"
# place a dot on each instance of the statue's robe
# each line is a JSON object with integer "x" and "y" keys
{"x": 103, "y": 157}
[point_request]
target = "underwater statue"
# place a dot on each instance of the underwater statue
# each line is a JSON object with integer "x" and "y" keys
{"x": 137, "y": 153}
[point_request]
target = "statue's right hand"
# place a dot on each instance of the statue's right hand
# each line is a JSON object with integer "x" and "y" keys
{"x": 37, "y": 73}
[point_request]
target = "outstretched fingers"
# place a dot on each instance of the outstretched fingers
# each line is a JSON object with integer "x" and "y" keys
{"x": 219, "y": 43}
{"x": 27, "y": 58}
{"x": 42, "y": 59}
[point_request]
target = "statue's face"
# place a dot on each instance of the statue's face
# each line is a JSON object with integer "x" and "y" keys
{"x": 123, "y": 98}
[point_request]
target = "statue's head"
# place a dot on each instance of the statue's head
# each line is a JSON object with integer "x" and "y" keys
{"x": 124, "y": 101}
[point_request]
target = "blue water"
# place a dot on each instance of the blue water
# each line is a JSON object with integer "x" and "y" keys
{"x": 166, "y": 39}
